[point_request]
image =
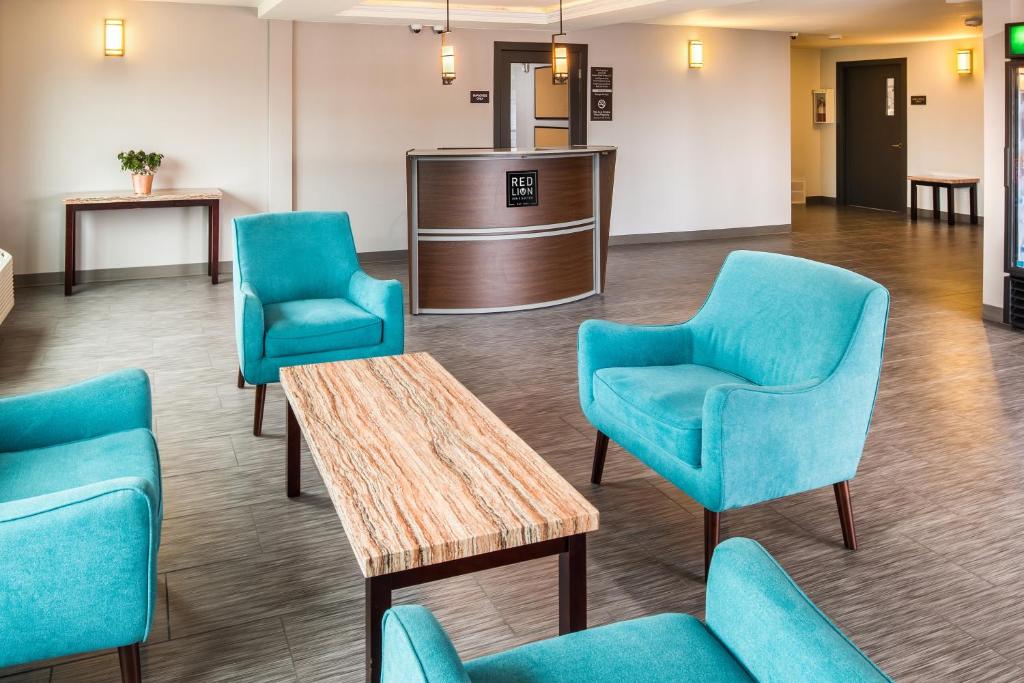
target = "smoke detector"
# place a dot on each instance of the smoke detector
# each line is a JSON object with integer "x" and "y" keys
{"x": 973, "y": 21}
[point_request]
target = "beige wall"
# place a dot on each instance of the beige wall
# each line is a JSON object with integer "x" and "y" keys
{"x": 193, "y": 86}
{"x": 805, "y": 76}
{"x": 318, "y": 116}
{"x": 691, "y": 142}
{"x": 944, "y": 136}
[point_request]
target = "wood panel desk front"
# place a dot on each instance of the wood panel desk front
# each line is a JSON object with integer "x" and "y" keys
{"x": 472, "y": 251}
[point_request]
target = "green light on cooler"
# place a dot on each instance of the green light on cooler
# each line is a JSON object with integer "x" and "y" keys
{"x": 1015, "y": 40}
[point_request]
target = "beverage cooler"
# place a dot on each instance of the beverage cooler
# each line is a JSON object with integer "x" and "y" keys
{"x": 1013, "y": 297}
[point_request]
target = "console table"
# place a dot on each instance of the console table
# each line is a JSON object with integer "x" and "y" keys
{"x": 937, "y": 182}
{"x": 108, "y": 201}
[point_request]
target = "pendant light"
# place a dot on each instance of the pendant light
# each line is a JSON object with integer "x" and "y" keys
{"x": 559, "y": 55}
{"x": 447, "y": 51}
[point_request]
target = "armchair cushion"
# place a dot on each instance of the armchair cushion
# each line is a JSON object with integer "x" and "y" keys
{"x": 40, "y": 471}
{"x": 667, "y": 647}
{"x": 663, "y": 403}
{"x": 315, "y": 325}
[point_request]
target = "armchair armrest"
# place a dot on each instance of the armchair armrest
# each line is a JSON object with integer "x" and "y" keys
{"x": 383, "y": 298}
{"x": 771, "y": 626}
{"x": 416, "y": 649}
{"x": 249, "y": 326}
{"x": 83, "y": 556}
{"x": 103, "y": 405}
{"x": 768, "y": 442}
{"x": 606, "y": 344}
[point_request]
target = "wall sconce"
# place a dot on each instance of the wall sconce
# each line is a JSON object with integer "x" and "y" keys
{"x": 965, "y": 61}
{"x": 113, "y": 38}
{"x": 696, "y": 53}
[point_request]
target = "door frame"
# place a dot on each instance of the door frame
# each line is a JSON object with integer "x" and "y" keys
{"x": 901, "y": 101}
{"x": 506, "y": 54}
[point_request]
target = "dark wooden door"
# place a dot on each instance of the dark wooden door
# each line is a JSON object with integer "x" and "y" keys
{"x": 507, "y": 54}
{"x": 873, "y": 134}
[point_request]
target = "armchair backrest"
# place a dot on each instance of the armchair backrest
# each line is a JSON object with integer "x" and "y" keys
{"x": 296, "y": 255}
{"x": 779, "y": 320}
{"x": 771, "y": 627}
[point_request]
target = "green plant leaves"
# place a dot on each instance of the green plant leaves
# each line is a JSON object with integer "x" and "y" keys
{"x": 139, "y": 162}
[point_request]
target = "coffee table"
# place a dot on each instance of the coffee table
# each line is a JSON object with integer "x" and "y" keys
{"x": 429, "y": 483}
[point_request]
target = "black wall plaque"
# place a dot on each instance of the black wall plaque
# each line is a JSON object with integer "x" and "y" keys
{"x": 919, "y": 99}
{"x": 520, "y": 188}
{"x": 600, "y": 106}
{"x": 600, "y": 78}
{"x": 480, "y": 96}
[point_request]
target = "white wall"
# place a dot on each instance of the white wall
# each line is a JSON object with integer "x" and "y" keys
{"x": 943, "y": 136}
{"x": 691, "y": 142}
{"x": 319, "y": 116}
{"x": 805, "y": 76}
{"x": 193, "y": 86}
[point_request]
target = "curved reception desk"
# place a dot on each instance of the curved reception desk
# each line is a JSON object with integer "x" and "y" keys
{"x": 505, "y": 230}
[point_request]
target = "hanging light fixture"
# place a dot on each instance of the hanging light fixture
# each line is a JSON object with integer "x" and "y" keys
{"x": 559, "y": 55}
{"x": 447, "y": 51}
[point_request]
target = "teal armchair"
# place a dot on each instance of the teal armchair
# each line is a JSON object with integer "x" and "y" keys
{"x": 759, "y": 626}
{"x": 80, "y": 512}
{"x": 301, "y": 298}
{"x": 767, "y": 391}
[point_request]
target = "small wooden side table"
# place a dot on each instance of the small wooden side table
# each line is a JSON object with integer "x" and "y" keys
{"x": 937, "y": 182}
{"x": 116, "y": 199}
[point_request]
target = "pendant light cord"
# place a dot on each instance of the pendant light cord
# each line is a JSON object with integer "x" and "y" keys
{"x": 561, "y": 32}
{"x": 448, "y": 16}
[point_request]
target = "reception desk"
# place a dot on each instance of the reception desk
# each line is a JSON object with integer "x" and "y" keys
{"x": 495, "y": 230}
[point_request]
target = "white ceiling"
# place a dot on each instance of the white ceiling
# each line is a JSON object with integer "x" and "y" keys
{"x": 859, "y": 22}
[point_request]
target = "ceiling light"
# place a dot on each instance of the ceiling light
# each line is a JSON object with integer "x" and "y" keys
{"x": 835, "y": 36}
{"x": 447, "y": 51}
{"x": 559, "y": 55}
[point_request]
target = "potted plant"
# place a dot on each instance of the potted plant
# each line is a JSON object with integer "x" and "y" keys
{"x": 142, "y": 166}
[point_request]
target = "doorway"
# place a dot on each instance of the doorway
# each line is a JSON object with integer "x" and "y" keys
{"x": 871, "y": 134}
{"x": 529, "y": 110}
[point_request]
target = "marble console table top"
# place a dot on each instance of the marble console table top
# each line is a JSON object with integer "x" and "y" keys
{"x": 944, "y": 179}
{"x": 422, "y": 472}
{"x": 115, "y": 196}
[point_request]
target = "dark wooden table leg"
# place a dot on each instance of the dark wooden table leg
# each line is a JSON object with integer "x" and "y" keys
{"x": 293, "y": 432}
{"x": 936, "y": 204}
{"x": 572, "y": 585}
{"x": 378, "y": 601}
{"x": 974, "y": 204}
{"x": 950, "y": 205}
{"x": 69, "y": 249}
{"x": 215, "y": 241}
{"x": 913, "y": 201}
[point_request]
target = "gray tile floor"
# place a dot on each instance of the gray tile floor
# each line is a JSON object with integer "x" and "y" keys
{"x": 256, "y": 587}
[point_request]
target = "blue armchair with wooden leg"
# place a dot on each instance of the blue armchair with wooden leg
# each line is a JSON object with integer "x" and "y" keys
{"x": 767, "y": 391}
{"x": 80, "y": 513}
{"x": 758, "y": 626}
{"x": 301, "y": 298}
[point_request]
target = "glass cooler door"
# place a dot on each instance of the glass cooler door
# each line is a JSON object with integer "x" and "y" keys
{"x": 1015, "y": 169}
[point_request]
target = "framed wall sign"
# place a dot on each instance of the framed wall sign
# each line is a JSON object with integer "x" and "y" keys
{"x": 919, "y": 99}
{"x": 480, "y": 96}
{"x": 600, "y": 106}
{"x": 521, "y": 188}
{"x": 600, "y": 78}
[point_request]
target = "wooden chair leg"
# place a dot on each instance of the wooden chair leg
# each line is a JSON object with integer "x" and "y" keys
{"x": 131, "y": 663}
{"x": 712, "y": 535}
{"x": 842, "y": 490}
{"x": 261, "y": 399}
{"x": 600, "y": 451}
{"x": 241, "y": 379}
